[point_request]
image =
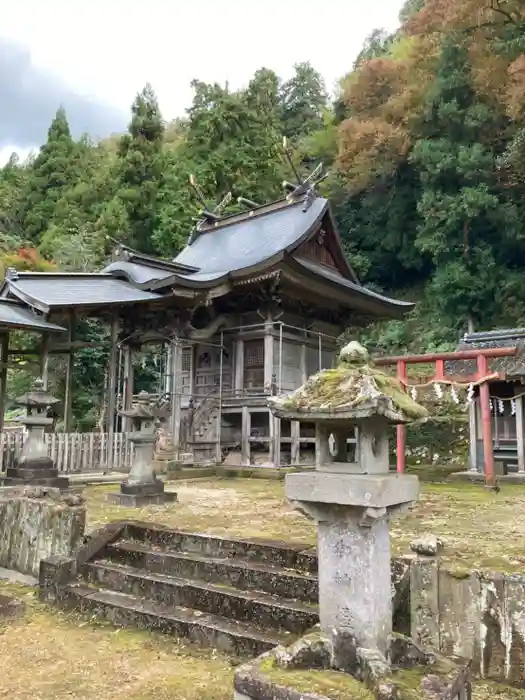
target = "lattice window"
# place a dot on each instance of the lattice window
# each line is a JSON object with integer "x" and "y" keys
{"x": 254, "y": 353}
{"x": 186, "y": 359}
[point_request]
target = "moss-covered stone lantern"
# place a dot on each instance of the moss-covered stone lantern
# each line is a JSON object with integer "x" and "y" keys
{"x": 142, "y": 486}
{"x": 34, "y": 465}
{"x": 352, "y": 500}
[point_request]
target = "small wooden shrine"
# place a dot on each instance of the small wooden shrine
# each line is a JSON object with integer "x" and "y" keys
{"x": 251, "y": 307}
{"x": 507, "y": 390}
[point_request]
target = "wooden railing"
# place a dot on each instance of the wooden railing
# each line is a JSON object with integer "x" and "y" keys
{"x": 75, "y": 452}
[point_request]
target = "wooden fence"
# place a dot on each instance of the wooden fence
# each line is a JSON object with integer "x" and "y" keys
{"x": 74, "y": 452}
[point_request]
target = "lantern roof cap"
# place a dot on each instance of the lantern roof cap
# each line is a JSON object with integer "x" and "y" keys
{"x": 354, "y": 391}
{"x": 37, "y": 396}
{"x": 143, "y": 407}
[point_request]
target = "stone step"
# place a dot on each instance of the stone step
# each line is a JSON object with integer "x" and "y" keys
{"x": 228, "y": 636}
{"x": 240, "y": 573}
{"x": 270, "y": 612}
{"x": 287, "y": 556}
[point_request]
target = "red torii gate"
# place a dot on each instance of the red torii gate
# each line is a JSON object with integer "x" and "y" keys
{"x": 480, "y": 378}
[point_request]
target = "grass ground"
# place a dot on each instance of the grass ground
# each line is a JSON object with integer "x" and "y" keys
{"x": 47, "y": 655}
{"x": 480, "y": 529}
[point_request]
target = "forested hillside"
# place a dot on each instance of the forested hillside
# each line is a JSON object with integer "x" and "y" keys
{"x": 425, "y": 142}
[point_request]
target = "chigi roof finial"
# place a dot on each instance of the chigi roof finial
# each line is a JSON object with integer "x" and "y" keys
{"x": 304, "y": 187}
{"x": 208, "y": 216}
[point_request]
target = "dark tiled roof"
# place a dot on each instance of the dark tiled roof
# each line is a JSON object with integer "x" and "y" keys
{"x": 249, "y": 241}
{"x": 137, "y": 273}
{"x": 513, "y": 366}
{"x": 47, "y": 290}
{"x": 375, "y": 298}
{"x": 13, "y": 315}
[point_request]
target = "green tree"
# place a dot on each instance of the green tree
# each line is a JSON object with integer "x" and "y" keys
{"x": 463, "y": 212}
{"x": 52, "y": 172}
{"x": 303, "y": 101}
{"x": 231, "y": 145}
{"x": 141, "y": 169}
{"x": 13, "y": 182}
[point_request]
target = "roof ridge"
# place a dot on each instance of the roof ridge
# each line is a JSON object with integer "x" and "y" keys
{"x": 239, "y": 217}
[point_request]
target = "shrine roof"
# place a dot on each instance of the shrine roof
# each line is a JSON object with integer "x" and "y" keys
{"x": 242, "y": 241}
{"x": 141, "y": 269}
{"x": 50, "y": 290}
{"x": 264, "y": 240}
{"x": 14, "y": 315}
{"x": 373, "y": 301}
{"x": 512, "y": 366}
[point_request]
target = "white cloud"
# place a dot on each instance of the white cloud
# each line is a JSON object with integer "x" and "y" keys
{"x": 110, "y": 48}
{"x": 7, "y": 151}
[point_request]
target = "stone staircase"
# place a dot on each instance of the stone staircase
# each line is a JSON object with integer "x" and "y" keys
{"x": 240, "y": 597}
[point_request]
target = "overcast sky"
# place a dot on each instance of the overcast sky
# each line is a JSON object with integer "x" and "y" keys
{"x": 93, "y": 57}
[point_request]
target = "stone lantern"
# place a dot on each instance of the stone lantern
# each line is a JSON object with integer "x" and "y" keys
{"x": 34, "y": 465}
{"x": 142, "y": 486}
{"x": 352, "y": 501}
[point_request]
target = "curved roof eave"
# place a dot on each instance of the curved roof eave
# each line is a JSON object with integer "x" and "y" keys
{"x": 377, "y": 304}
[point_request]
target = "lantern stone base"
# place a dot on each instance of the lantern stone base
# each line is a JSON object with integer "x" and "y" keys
{"x": 37, "y": 472}
{"x": 138, "y": 495}
{"x": 353, "y": 545}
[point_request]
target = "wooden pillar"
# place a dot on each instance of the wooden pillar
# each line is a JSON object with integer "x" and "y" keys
{"x": 401, "y": 429}
{"x": 239, "y": 366}
{"x": 302, "y": 363}
{"x": 473, "y": 436}
{"x": 112, "y": 385}
{"x": 295, "y": 432}
{"x": 275, "y": 440}
{"x": 486, "y": 421}
{"x": 68, "y": 398}
{"x": 176, "y": 392}
{"x": 4, "y": 359}
{"x": 520, "y": 434}
{"x": 127, "y": 393}
{"x": 245, "y": 436}
{"x": 268, "y": 354}
{"x": 44, "y": 359}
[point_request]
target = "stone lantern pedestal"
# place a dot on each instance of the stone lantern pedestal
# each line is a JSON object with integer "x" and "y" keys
{"x": 352, "y": 501}
{"x": 34, "y": 466}
{"x": 142, "y": 487}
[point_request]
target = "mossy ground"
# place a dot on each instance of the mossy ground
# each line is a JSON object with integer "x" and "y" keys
{"x": 341, "y": 686}
{"x": 480, "y": 529}
{"x": 53, "y": 656}
{"x": 334, "y": 685}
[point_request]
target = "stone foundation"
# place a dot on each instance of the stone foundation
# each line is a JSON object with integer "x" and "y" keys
{"x": 37, "y": 522}
{"x": 304, "y": 671}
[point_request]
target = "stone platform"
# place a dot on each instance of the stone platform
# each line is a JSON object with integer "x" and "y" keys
{"x": 140, "y": 495}
{"x": 35, "y": 476}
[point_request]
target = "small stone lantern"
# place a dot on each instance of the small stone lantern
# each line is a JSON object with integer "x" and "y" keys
{"x": 352, "y": 500}
{"x": 34, "y": 465}
{"x": 142, "y": 486}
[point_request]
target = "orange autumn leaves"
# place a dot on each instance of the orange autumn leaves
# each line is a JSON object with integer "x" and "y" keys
{"x": 490, "y": 27}
{"x": 385, "y": 96}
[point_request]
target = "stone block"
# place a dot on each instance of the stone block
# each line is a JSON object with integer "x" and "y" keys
{"x": 358, "y": 490}
{"x": 424, "y": 602}
{"x": 147, "y": 489}
{"x": 137, "y": 500}
{"x": 55, "y": 573}
{"x": 37, "y": 522}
